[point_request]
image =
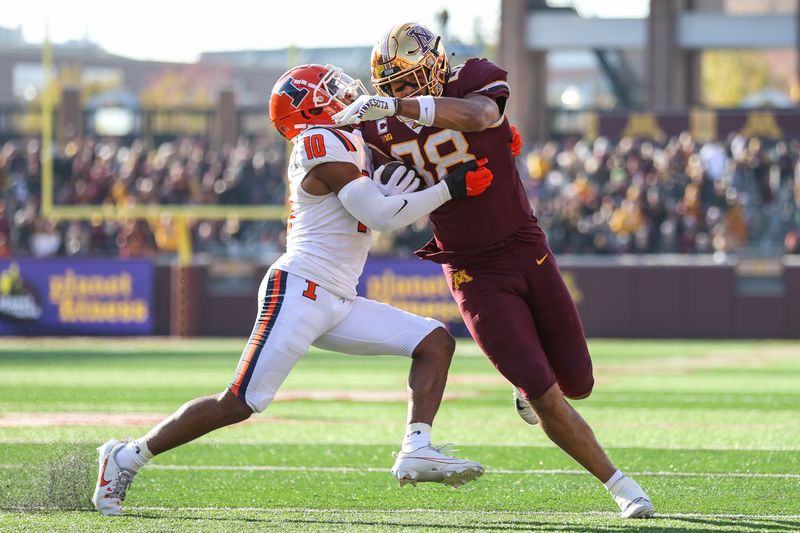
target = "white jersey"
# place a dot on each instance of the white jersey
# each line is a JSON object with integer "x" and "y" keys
{"x": 325, "y": 243}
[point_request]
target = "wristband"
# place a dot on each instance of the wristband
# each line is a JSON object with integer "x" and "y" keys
{"x": 427, "y": 110}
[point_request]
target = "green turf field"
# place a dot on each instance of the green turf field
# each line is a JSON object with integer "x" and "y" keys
{"x": 710, "y": 429}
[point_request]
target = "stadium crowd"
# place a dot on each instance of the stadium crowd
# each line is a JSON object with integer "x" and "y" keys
{"x": 93, "y": 172}
{"x": 596, "y": 197}
{"x": 675, "y": 197}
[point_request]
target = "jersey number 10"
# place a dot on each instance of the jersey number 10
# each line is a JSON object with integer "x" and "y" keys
{"x": 314, "y": 145}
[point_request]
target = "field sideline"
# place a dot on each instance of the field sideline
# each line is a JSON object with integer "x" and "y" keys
{"x": 709, "y": 428}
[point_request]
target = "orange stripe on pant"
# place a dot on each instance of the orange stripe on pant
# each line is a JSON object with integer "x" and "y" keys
{"x": 264, "y": 321}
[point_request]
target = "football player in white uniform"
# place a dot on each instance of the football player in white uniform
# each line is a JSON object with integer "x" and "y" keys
{"x": 308, "y": 296}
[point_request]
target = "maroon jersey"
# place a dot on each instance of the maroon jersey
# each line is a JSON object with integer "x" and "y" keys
{"x": 484, "y": 225}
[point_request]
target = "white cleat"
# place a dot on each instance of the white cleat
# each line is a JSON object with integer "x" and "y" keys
{"x": 524, "y": 409}
{"x": 430, "y": 464}
{"x": 112, "y": 481}
{"x": 632, "y": 500}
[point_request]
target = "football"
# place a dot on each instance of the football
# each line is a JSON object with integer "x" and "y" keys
{"x": 389, "y": 169}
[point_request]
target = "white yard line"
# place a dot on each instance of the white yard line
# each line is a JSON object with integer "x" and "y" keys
{"x": 262, "y": 443}
{"x": 490, "y": 471}
{"x": 464, "y": 513}
{"x": 458, "y": 512}
{"x": 535, "y": 472}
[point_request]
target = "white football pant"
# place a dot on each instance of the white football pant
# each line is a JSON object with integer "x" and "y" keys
{"x": 295, "y": 313}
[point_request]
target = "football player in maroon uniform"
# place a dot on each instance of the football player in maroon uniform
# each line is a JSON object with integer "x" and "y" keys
{"x": 494, "y": 254}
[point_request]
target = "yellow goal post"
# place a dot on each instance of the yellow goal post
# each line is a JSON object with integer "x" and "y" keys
{"x": 182, "y": 215}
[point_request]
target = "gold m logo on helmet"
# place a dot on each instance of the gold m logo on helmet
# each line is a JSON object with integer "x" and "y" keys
{"x": 423, "y": 37}
{"x": 412, "y": 53}
{"x": 459, "y": 277}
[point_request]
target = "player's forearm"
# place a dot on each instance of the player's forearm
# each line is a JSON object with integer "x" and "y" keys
{"x": 457, "y": 114}
{"x": 363, "y": 199}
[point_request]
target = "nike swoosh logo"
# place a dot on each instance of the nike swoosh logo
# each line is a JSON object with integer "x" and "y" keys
{"x": 540, "y": 261}
{"x": 103, "y": 481}
{"x": 405, "y": 203}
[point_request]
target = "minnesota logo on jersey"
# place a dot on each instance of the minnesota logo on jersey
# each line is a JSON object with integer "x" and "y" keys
{"x": 460, "y": 277}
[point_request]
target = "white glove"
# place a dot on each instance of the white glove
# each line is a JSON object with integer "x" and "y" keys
{"x": 403, "y": 180}
{"x": 364, "y": 108}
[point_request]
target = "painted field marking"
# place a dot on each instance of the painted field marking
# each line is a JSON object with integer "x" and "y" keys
{"x": 261, "y": 443}
{"x": 499, "y": 471}
{"x": 460, "y": 512}
{"x": 536, "y": 472}
{"x": 609, "y": 514}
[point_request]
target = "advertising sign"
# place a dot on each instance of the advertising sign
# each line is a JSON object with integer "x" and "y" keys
{"x": 75, "y": 297}
{"x": 413, "y": 285}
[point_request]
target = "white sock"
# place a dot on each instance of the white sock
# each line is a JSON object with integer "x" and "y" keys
{"x": 418, "y": 435}
{"x": 134, "y": 455}
{"x": 616, "y": 477}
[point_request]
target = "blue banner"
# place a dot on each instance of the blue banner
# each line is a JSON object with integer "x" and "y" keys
{"x": 75, "y": 297}
{"x": 413, "y": 285}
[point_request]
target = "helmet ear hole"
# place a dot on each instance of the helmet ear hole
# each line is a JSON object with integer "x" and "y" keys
{"x": 315, "y": 111}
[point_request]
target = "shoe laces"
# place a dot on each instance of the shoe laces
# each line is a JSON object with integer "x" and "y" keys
{"x": 445, "y": 449}
{"x": 124, "y": 480}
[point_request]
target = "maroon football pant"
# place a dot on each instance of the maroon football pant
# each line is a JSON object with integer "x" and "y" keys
{"x": 521, "y": 314}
